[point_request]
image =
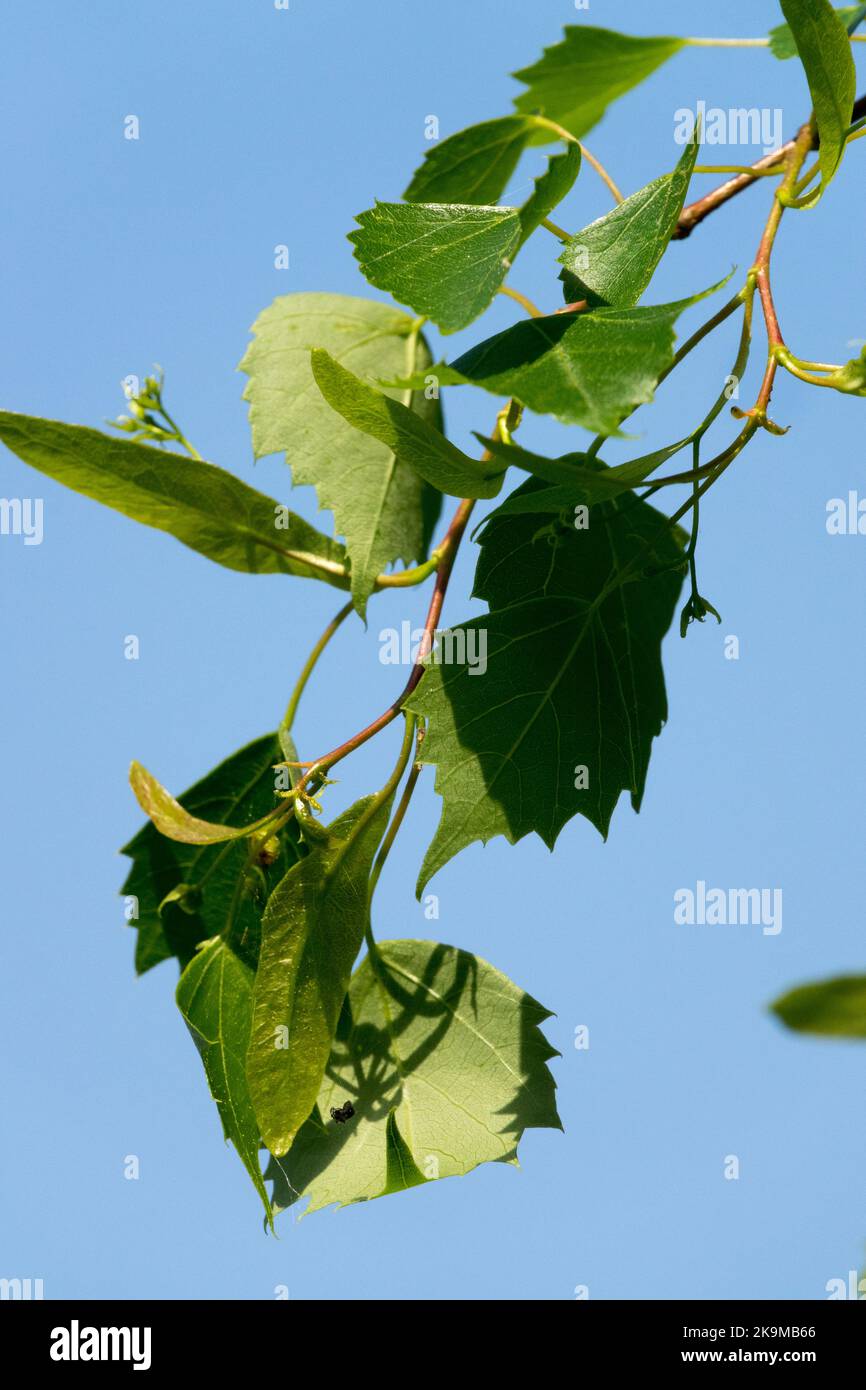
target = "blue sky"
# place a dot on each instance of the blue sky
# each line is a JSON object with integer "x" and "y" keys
{"x": 261, "y": 127}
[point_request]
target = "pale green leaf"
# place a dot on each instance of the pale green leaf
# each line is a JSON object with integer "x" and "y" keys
{"x": 312, "y": 931}
{"x": 825, "y": 52}
{"x": 208, "y": 509}
{"x": 474, "y": 165}
{"x": 412, "y": 440}
{"x": 851, "y": 378}
{"x": 182, "y": 894}
{"x": 214, "y": 994}
{"x": 833, "y": 1008}
{"x": 613, "y": 259}
{"x": 572, "y": 677}
{"x": 382, "y": 507}
{"x": 575, "y": 81}
{"x": 444, "y": 1062}
{"x": 171, "y": 819}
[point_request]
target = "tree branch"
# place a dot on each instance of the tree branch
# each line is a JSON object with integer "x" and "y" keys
{"x": 691, "y": 216}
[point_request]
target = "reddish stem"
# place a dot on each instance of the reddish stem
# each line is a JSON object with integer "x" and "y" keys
{"x": 450, "y": 546}
{"x": 695, "y": 213}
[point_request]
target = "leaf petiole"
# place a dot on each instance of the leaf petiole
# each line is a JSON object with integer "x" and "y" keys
{"x": 557, "y": 231}
{"x": 310, "y": 664}
{"x": 532, "y": 310}
{"x": 570, "y": 139}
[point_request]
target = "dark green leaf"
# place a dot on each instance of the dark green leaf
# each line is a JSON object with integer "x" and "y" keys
{"x": 577, "y": 79}
{"x": 562, "y": 719}
{"x": 613, "y": 259}
{"x": 834, "y": 1008}
{"x": 551, "y": 500}
{"x": 444, "y": 260}
{"x": 825, "y": 51}
{"x": 474, "y": 165}
{"x": 208, "y": 509}
{"x": 412, "y": 440}
{"x": 185, "y": 894}
{"x": 579, "y": 474}
{"x": 444, "y": 1063}
{"x": 588, "y": 369}
{"x": 214, "y": 994}
{"x": 382, "y": 507}
{"x": 312, "y": 931}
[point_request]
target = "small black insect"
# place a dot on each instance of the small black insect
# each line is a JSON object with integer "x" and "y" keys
{"x": 344, "y": 1113}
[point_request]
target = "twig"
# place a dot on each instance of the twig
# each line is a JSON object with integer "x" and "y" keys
{"x": 691, "y": 216}
{"x": 449, "y": 548}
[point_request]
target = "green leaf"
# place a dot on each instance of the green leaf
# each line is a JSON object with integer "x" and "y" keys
{"x": 782, "y": 42}
{"x": 554, "y": 499}
{"x": 172, "y": 820}
{"x": 851, "y": 378}
{"x": 474, "y": 165}
{"x": 825, "y": 51}
{"x": 577, "y": 79}
{"x": 411, "y": 439}
{"x": 214, "y": 994}
{"x": 833, "y": 1008}
{"x": 445, "y": 260}
{"x": 185, "y": 893}
{"x": 401, "y": 1170}
{"x": 580, "y": 476}
{"x": 551, "y": 187}
{"x": 614, "y": 258}
{"x": 591, "y": 369}
{"x": 382, "y": 507}
{"x": 208, "y": 509}
{"x": 442, "y": 1058}
{"x": 562, "y": 719}
{"x": 312, "y": 931}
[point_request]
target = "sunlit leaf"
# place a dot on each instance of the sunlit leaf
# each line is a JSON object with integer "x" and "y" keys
{"x": 445, "y": 1066}
{"x": 412, "y": 441}
{"x": 575, "y": 81}
{"x": 474, "y": 165}
{"x": 312, "y": 932}
{"x": 214, "y": 994}
{"x": 208, "y": 509}
{"x": 383, "y": 508}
